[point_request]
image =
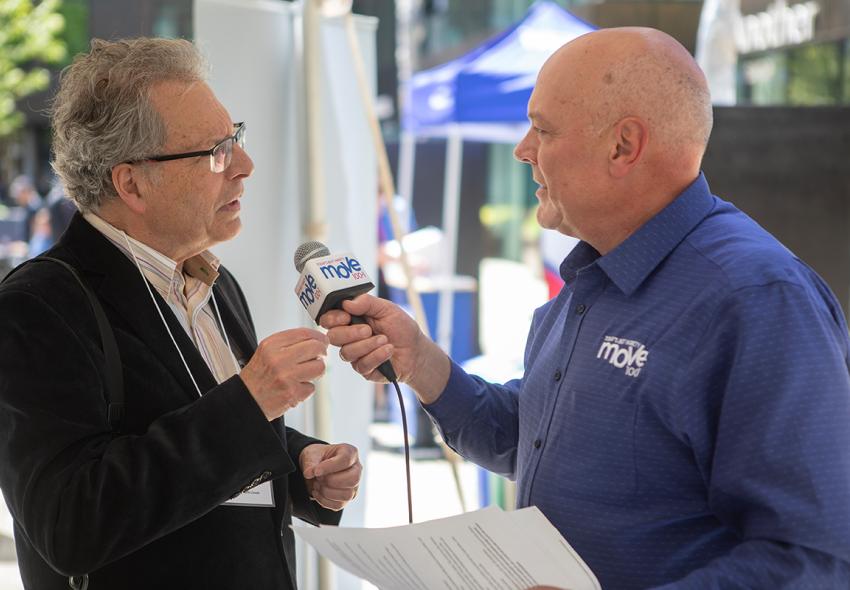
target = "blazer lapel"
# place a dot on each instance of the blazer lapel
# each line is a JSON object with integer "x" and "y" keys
{"x": 121, "y": 287}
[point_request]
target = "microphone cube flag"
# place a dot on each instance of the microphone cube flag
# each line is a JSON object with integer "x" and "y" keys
{"x": 327, "y": 281}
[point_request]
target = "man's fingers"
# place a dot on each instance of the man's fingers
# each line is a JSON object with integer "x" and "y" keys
{"x": 342, "y": 335}
{"x": 335, "y": 494}
{"x": 343, "y": 480}
{"x": 308, "y": 343}
{"x": 309, "y": 370}
{"x": 364, "y": 305}
{"x": 338, "y": 497}
{"x": 334, "y": 318}
{"x": 370, "y": 362}
{"x": 287, "y": 337}
{"x": 353, "y": 352}
{"x": 304, "y": 351}
{"x": 343, "y": 458}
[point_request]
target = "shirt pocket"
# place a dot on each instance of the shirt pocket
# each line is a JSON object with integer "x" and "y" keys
{"x": 593, "y": 455}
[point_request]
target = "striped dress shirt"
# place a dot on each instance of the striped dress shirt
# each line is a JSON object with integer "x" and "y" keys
{"x": 186, "y": 289}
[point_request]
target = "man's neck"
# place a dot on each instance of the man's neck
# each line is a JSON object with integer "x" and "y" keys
{"x": 115, "y": 217}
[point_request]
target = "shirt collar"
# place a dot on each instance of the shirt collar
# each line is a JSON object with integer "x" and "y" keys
{"x": 633, "y": 260}
{"x": 158, "y": 268}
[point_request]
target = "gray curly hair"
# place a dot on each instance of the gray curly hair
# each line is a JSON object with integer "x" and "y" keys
{"x": 102, "y": 114}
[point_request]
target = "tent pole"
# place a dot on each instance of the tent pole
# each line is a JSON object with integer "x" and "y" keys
{"x": 406, "y": 167}
{"x": 317, "y": 222}
{"x": 385, "y": 177}
{"x": 451, "y": 213}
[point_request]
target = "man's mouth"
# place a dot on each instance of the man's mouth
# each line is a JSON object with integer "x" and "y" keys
{"x": 233, "y": 205}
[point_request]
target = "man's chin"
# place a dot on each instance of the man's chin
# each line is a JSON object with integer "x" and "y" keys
{"x": 228, "y": 230}
{"x": 547, "y": 221}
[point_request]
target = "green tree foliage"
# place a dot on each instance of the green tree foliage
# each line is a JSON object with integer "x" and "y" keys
{"x": 29, "y": 37}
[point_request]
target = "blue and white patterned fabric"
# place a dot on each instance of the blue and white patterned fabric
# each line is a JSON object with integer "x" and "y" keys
{"x": 684, "y": 416}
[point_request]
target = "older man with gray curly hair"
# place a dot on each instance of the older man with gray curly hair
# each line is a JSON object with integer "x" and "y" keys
{"x": 142, "y": 440}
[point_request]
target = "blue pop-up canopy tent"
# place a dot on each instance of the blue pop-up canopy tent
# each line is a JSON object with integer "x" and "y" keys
{"x": 485, "y": 92}
{"x": 480, "y": 96}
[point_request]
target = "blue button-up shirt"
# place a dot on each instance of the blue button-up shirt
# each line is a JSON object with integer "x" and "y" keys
{"x": 684, "y": 416}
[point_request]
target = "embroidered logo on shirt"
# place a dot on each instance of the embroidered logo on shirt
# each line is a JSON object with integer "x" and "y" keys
{"x": 623, "y": 353}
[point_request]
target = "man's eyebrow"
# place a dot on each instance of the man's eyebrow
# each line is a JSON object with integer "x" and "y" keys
{"x": 211, "y": 139}
{"x": 536, "y": 117}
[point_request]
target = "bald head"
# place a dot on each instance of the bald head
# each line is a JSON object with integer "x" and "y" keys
{"x": 614, "y": 73}
{"x": 620, "y": 119}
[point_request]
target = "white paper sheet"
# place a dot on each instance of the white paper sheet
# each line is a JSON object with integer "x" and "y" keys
{"x": 488, "y": 549}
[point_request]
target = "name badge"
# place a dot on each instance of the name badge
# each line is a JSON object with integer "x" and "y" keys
{"x": 259, "y": 496}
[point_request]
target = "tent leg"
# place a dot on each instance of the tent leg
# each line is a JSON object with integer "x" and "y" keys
{"x": 406, "y": 167}
{"x": 451, "y": 215}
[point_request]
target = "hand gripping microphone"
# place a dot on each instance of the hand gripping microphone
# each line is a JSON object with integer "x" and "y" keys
{"x": 327, "y": 280}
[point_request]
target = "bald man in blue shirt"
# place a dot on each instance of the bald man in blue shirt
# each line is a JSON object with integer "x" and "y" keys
{"x": 684, "y": 415}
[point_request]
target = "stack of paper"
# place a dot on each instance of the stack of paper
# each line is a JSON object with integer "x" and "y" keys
{"x": 487, "y": 549}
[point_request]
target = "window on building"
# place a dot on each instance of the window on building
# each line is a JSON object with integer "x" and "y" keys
{"x": 763, "y": 79}
{"x": 807, "y": 75}
{"x": 814, "y": 74}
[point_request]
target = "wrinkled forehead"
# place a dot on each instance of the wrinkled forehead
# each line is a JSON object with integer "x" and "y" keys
{"x": 192, "y": 114}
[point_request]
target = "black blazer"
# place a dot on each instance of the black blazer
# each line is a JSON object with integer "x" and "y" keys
{"x": 141, "y": 509}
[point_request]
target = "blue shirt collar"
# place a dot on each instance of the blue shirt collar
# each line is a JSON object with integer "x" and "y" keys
{"x": 632, "y": 261}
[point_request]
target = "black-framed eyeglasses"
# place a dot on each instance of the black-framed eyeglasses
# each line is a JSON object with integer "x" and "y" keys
{"x": 220, "y": 154}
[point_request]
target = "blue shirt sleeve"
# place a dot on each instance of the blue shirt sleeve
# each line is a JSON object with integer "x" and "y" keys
{"x": 480, "y": 420}
{"x": 772, "y": 438}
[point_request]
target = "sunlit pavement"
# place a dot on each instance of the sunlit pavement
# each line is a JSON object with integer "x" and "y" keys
{"x": 9, "y": 577}
{"x": 434, "y": 493}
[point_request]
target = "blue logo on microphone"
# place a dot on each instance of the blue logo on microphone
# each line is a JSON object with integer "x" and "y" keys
{"x": 310, "y": 293}
{"x": 348, "y": 268}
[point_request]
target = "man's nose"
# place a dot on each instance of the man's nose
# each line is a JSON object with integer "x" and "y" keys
{"x": 525, "y": 149}
{"x": 241, "y": 164}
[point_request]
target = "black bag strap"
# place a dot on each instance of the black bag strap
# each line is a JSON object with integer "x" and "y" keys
{"x": 114, "y": 374}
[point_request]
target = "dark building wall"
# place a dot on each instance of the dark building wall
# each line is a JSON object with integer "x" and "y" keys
{"x": 679, "y": 19}
{"x": 119, "y": 19}
{"x": 788, "y": 169}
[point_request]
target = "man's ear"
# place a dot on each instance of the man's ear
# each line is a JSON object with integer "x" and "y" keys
{"x": 631, "y": 136}
{"x": 126, "y": 180}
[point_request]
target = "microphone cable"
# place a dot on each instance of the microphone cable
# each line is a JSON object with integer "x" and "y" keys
{"x": 386, "y": 369}
{"x": 312, "y": 250}
{"x": 406, "y": 451}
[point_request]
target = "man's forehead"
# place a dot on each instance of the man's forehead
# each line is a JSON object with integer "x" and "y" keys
{"x": 191, "y": 112}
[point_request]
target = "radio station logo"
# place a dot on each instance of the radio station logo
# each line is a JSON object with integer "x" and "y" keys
{"x": 349, "y": 268}
{"x": 310, "y": 293}
{"x": 623, "y": 353}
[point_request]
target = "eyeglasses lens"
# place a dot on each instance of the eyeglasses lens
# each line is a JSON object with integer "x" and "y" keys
{"x": 223, "y": 153}
{"x": 221, "y": 156}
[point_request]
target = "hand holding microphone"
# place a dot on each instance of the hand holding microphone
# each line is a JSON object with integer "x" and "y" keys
{"x": 327, "y": 284}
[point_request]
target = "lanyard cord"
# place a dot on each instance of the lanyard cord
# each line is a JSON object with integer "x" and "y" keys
{"x": 161, "y": 316}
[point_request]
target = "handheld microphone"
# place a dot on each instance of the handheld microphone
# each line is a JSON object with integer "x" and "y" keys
{"x": 327, "y": 280}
